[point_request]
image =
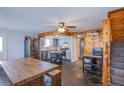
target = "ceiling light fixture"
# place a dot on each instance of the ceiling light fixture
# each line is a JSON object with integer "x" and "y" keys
{"x": 61, "y": 29}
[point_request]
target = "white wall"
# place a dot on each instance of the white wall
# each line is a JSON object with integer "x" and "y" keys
{"x": 74, "y": 49}
{"x": 14, "y": 47}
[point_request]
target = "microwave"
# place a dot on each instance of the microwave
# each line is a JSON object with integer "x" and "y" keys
{"x": 97, "y": 51}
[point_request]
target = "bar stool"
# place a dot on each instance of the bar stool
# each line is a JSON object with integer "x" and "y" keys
{"x": 55, "y": 77}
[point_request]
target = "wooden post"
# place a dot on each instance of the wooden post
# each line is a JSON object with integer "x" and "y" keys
{"x": 106, "y": 79}
{"x": 109, "y": 51}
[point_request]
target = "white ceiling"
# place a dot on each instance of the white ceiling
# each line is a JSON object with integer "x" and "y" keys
{"x": 42, "y": 18}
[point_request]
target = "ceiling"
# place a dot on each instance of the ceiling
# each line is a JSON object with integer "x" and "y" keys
{"x": 41, "y": 19}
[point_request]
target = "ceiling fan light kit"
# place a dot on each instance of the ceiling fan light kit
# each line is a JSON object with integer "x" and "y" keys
{"x": 61, "y": 29}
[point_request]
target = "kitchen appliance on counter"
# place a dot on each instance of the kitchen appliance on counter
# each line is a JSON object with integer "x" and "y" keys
{"x": 97, "y": 51}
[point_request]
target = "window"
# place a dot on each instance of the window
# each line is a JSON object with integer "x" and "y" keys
{"x": 55, "y": 42}
{"x": 1, "y": 44}
{"x": 47, "y": 43}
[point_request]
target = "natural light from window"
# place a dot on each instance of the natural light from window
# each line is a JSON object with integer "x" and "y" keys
{"x": 1, "y": 44}
{"x": 47, "y": 43}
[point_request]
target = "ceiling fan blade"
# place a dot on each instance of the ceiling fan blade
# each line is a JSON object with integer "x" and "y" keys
{"x": 52, "y": 26}
{"x": 71, "y": 26}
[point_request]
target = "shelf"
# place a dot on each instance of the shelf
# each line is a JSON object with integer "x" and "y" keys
{"x": 93, "y": 68}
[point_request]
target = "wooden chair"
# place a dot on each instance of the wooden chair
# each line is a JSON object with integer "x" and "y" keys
{"x": 55, "y": 77}
{"x": 56, "y": 58}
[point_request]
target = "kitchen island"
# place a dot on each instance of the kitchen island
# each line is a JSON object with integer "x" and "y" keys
{"x": 27, "y": 71}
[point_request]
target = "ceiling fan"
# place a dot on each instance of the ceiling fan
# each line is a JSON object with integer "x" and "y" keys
{"x": 62, "y": 27}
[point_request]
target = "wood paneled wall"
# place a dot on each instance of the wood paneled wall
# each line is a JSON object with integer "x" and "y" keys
{"x": 101, "y": 41}
{"x": 117, "y": 24}
{"x": 91, "y": 41}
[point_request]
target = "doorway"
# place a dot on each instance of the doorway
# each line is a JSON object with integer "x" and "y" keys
{"x": 56, "y": 45}
{"x": 82, "y": 46}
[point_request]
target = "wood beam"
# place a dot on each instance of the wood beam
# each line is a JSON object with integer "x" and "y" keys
{"x": 44, "y": 34}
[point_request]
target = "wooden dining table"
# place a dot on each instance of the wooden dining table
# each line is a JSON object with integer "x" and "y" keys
{"x": 27, "y": 71}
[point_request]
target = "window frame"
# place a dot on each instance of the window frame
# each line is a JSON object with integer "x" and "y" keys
{"x": 1, "y": 43}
